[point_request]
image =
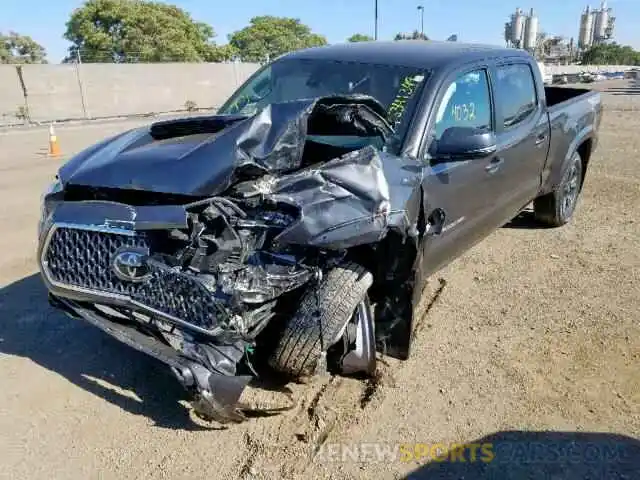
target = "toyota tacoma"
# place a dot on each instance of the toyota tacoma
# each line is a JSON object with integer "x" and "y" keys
{"x": 293, "y": 231}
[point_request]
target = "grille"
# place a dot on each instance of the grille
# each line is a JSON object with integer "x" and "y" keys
{"x": 180, "y": 296}
{"x": 82, "y": 258}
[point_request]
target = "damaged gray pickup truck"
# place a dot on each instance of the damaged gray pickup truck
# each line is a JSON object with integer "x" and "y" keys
{"x": 292, "y": 232}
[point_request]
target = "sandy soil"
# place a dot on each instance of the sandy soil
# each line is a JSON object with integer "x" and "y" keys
{"x": 532, "y": 330}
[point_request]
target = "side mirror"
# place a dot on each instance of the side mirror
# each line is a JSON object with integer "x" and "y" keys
{"x": 464, "y": 143}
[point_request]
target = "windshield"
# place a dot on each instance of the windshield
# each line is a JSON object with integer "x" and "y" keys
{"x": 396, "y": 88}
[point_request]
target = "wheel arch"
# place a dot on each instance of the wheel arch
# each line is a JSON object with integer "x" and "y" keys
{"x": 583, "y": 144}
{"x": 396, "y": 265}
{"x": 585, "y": 149}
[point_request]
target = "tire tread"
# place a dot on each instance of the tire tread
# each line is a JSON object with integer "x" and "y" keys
{"x": 323, "y": 312}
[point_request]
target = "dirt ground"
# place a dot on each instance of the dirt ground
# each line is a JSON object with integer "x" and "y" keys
{"x": 533, "y": 330}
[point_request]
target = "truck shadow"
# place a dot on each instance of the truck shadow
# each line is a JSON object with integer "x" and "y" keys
{"x": 86, "y": 357}
{"x": 524, "y": 455}
{"x": 525, "y": 220}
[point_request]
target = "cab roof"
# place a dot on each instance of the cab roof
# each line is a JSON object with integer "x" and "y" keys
{"x": 428, "y": 55}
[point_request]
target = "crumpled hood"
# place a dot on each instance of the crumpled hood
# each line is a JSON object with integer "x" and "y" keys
{"x": 203, "y": 156}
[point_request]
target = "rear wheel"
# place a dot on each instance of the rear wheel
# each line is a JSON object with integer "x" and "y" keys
{"x": 556, "y": 208}
{"x": 321, "y": 319}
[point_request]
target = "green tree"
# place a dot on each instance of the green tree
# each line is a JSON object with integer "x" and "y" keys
{"x": 16, "y": 48}
{"x": 117, "y": 31}
{"x": 611, "y": 54}
{"x": 268, "y": 37}
{"x": 221, "y": 53}
{"x": 359, "y": 37}
{"x": 415, "y": 35}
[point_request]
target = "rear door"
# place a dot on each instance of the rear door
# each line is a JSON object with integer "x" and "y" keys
{"x": 460, "y": 190}
{"x": 522, "y": 128}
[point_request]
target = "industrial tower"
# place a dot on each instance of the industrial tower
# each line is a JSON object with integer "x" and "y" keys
{"x": 522, "y": 30}
{"x": 596, "y": 26}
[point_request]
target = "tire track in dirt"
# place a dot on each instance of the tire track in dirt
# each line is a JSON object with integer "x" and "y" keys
{"x": 327, "y": 407}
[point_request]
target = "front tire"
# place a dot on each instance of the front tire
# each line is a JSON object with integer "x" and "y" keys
{"x": 556, "y": 208}
{"x": 320, "y": 320}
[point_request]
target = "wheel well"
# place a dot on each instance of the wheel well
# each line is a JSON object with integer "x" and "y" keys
{"x": 392, "y": 263}
{"x": 585, "y": 155}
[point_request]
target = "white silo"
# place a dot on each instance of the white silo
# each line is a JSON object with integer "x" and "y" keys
{"x": 586, "y": 29}
{"x": 531, "y": 31}
{"x": 597, "y": 22}
{"x": 602, "y": 21}
{"x": 518, "y": 27}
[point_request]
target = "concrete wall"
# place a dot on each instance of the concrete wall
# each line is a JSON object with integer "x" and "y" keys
{"x": 11, "y": 98}
{"x": 573, "y": 69}
{"x": 54, "y": 91}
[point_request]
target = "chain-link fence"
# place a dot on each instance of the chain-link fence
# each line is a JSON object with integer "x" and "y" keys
{"x": 44, "y": 92}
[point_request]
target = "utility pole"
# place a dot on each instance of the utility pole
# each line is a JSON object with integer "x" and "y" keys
{"x": 26, "y": 116}
{"x": 78, "y": 62}
{"x": 375, "y": 21}
{"x": 421, "y": 9}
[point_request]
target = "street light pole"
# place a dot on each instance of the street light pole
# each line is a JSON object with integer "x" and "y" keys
{"x": 375, "y": 29}
{"x": 421, "y": 8}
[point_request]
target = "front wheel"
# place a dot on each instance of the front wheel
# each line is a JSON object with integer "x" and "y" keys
{"x": 556, "y": 208}
{"x": 321, "y": 319}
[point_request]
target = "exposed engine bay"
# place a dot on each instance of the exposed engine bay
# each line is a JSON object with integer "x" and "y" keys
{"x": 200, "y": 241}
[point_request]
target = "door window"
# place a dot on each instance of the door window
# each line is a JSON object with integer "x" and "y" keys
{"x": 466, "y": 103}
{"x": 516, "y": 92}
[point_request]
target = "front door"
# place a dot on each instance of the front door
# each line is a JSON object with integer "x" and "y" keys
{"x": 459, "y": 191}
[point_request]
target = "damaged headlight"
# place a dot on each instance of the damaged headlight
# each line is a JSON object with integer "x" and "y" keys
{"x": 232, "y": 245}
{"x": 263, "y": 280}
{"x": 54, "y": 187}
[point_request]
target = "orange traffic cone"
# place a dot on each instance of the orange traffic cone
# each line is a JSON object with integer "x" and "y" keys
{"x": 54, "y": 148}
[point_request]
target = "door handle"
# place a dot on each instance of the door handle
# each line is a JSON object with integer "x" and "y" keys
{"x": 494, "y": 164}
{"x": 540, "y": 139}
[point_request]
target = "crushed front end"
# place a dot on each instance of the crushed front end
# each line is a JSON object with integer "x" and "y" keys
{"x": 197, "y": 278}
{"x": 195, "y": 270}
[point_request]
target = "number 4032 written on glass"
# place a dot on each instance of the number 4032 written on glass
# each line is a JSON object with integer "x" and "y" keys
{"x": 464, "y": 112}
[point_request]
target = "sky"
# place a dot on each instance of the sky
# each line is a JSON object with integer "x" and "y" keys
{"x": 477, "y": 21}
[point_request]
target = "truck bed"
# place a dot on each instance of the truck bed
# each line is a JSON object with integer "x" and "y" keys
{"x": 574, "y": 114}
{"x": 558, "y": 95}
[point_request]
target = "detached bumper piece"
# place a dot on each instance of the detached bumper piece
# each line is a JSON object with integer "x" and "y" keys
{"x": 216, "y": 395}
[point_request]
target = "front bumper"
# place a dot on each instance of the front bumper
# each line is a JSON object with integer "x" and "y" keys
{"x": 171, "y": 317}
{"x": 216, "y": 395}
